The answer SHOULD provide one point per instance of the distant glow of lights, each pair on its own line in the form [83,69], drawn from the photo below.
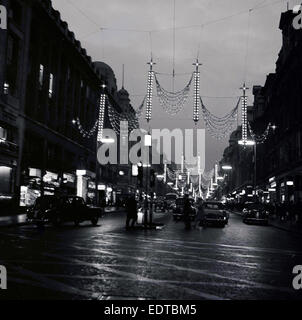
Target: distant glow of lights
[196,92]
[121,173]
[101,117]
[290,183]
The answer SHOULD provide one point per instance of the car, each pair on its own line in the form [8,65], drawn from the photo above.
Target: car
[57,210]
[214,214]
[170,200]
[160,206]
[178,210]
[255,213]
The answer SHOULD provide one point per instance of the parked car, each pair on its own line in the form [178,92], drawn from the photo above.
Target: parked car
[214,214]
[178,210]
[55,210]
[160,205]
[255,213]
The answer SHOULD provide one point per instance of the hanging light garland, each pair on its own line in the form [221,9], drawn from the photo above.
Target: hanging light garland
[115,119]
[219,127]
[260,138]
[83,132]
[172,102]
[139,111]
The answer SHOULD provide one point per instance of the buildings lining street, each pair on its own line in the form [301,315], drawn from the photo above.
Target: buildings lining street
[72,120]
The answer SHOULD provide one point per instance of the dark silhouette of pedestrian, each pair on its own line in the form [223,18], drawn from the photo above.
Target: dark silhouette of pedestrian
[187,211]
[200,213]
[131,208]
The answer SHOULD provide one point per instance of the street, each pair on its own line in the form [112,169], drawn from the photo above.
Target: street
[108,263]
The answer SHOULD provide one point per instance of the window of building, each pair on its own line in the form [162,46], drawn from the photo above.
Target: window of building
[41,75]
[5,178]
[3,134]
[6,88]
[51,85]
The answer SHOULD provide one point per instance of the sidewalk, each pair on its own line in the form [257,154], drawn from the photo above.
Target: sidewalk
[282,225]
[286,225]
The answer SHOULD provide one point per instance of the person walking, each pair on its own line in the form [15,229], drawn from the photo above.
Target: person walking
[200,213]
[187,211]
[131,208]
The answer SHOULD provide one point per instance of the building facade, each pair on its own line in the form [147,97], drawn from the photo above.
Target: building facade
[49,99]
[275,166]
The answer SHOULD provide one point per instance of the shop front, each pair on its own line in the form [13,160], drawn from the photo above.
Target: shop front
[86,185]
[34,185]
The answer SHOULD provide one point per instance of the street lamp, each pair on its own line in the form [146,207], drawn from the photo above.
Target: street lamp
[246,143]
[148,143]
[227,167]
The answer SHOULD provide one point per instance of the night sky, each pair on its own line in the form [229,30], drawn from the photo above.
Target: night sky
[231,49]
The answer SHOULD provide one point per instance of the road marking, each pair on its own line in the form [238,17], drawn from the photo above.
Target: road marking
[141,278]
[197,271]
[269,250]
[254,266]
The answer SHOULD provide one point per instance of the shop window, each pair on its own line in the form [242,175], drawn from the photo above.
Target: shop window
[3,134]
[41,75]
[51,86]
[6,88]
[5,178]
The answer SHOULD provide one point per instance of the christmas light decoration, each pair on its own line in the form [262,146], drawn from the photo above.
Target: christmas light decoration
[244,141]
[219,127]
[150,91]
[196,92]
[260,138]
[172,102]
[83,132]
[101,117]
[139,111]
[116,118]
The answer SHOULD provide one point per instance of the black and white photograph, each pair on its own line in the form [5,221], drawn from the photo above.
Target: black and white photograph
[150,151]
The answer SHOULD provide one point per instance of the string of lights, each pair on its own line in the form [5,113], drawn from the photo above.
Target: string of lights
[101,117]
[115,119]
[219,127]
[172,102]
[83,132]
[260,138]
[139,111]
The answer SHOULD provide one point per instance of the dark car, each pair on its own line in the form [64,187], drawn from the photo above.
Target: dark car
[160,205]
[215,214]
[51,209]
[170,201]
[255,213]
[178,210]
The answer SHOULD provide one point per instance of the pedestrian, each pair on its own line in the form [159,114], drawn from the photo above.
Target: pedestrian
[200,213]
[187,211]
[131,209]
